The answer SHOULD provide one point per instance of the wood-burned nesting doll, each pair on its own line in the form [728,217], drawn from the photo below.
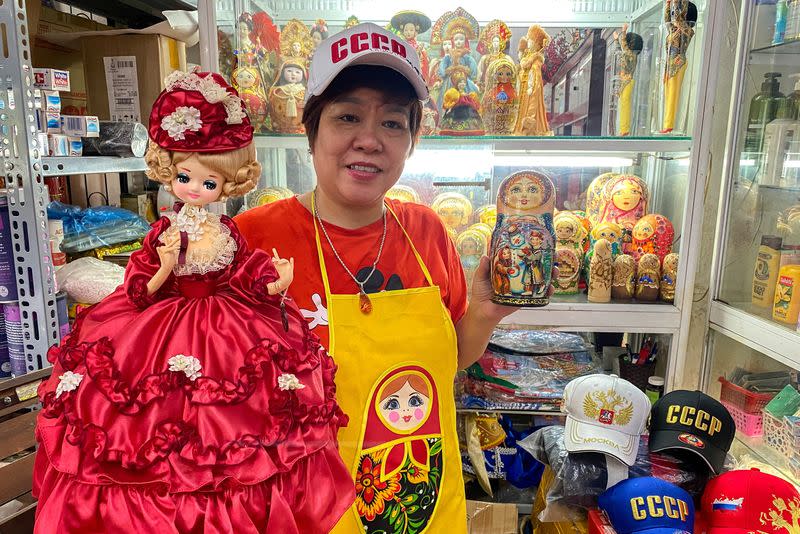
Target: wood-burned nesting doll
[454,209]
[600,272]
[523,241]
[625,199]
[611,232]
[471,245]
[669,277]
[652,234]
[569,251]
[594,197]
[623,282]
[648,276]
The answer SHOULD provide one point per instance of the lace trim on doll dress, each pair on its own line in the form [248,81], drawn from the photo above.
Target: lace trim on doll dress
[216,257]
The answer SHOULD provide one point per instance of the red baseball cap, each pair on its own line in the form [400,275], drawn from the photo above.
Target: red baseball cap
[741,502]
[363,44]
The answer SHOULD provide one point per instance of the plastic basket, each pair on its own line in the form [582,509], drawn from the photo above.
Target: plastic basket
[636,374]
[750,424]
[748,401]
[779,435]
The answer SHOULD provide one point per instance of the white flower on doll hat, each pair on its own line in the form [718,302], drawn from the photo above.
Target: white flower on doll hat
[189,365]
[69,381]
[182,119]
[288,381]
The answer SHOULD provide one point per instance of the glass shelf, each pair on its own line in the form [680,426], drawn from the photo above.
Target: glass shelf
[758,450]
[790,47]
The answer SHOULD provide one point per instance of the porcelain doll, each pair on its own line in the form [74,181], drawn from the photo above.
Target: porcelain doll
[409,24]
[569,251]
[652,234]
[500,104]
[600,272]
[623,282]
[630,45]
[669,277]
[680,17]
[297,45]
[532,116]
[319,32]
[459,29]
[523,241]
[196,383]
[454,209]
[256,57]
[286,98]
[594,197]
[648,276]
[461,109]
[406,193]
[471,246]
[625,200]
[492,45]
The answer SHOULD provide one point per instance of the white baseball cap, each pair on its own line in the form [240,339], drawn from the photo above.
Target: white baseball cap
[363,44]
[605,414]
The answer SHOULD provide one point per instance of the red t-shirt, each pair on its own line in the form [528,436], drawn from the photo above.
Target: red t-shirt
[288,226]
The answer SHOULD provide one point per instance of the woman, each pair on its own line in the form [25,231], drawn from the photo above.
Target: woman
[380,281]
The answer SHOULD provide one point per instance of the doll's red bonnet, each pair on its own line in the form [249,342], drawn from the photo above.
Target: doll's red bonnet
[199,112]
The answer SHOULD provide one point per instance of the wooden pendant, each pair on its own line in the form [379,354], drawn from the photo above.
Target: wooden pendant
[364,304]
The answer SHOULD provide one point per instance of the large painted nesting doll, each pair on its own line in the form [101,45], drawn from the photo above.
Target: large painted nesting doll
[400,464]
[523,241]
[625,201]
[594,197]
[569,251]
[454,209]
[652,234]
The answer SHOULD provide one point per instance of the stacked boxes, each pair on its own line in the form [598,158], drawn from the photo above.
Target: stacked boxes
[63,133]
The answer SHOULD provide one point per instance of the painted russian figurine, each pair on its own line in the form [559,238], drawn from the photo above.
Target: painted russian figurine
[256,53]
[461,109]
[319,32]
[611,232]
[286,97]
[523,241]
[630,45]
[652,234]
[532,116]
[569,252]
[600,273]
[410,24]
[680,18]
[454,209]
[500,103]
[648,276]
[625,200]
[492,45]
[458,28]
[669,277]
[623,282]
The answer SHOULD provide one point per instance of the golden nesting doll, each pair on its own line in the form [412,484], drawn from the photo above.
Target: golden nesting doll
[594,197]
[471,245]
[406,193]
[600,272]
[454,209]
[648,276]
[623,283]
[669,277]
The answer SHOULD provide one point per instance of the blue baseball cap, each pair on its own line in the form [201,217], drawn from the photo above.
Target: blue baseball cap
[648,505]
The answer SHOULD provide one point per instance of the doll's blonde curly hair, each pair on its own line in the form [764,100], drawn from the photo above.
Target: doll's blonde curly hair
[239,167]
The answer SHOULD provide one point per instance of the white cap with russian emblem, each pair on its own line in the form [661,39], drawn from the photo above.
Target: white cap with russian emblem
[363,44]
[605,414]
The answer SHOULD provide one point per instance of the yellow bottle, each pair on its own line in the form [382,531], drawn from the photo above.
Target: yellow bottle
[787,295]
[765,274]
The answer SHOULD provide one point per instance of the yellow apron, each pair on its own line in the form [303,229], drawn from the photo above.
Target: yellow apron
[395,381]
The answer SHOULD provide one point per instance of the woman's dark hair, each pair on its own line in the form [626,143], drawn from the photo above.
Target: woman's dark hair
[388,81]
[691,14]
[634,42]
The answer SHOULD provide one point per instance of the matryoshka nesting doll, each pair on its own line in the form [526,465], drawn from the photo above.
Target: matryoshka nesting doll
[594,197]
[500,104]
[600,273]
[648,276]
[623,280]
[454,209]
[669,277]
[652,234]
[487,214]
[569,251]
[523,241]
[625,201]
[400,457]
[406,193]
[471,245]
[611,232]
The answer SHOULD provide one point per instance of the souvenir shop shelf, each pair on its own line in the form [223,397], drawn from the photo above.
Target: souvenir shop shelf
[59,166]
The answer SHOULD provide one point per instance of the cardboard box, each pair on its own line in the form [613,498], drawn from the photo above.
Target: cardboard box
[75,146]
[80,125]
[148,57]
[492,518]
[59,145]
[51,79]
[48,121]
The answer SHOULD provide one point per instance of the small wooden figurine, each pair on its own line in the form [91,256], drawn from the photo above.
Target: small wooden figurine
[523,241]
[647,277]
[652,234]
[499,104]
[600,272]
[623,283]
[569,251]
[669,277]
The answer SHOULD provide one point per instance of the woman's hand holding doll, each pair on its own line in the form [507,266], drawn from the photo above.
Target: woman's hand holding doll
[285,270]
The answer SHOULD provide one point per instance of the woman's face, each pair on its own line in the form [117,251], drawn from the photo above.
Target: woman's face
[196,184]
[362,144]
[293,74]
[451,215]
[626,196]
[459,40]
[565,231]
[536,241]
[525,194]
[504,75]
[405,409]
[495,44]
[409,30]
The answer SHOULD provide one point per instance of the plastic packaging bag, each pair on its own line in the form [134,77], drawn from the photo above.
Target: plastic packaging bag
[89,280]
[102,226]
